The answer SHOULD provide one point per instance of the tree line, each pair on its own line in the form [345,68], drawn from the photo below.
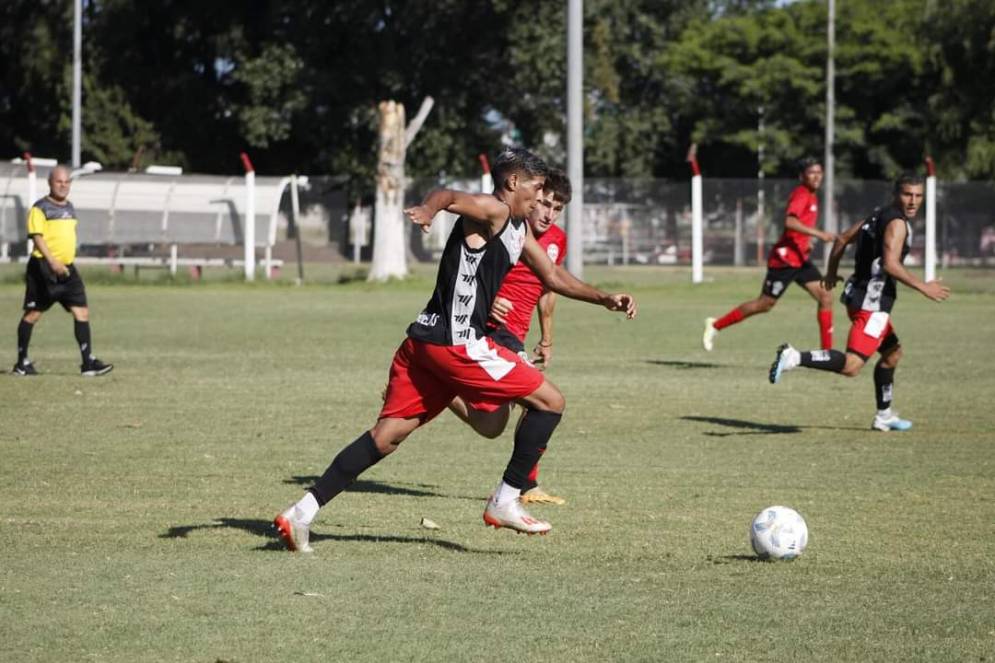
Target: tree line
[296,83]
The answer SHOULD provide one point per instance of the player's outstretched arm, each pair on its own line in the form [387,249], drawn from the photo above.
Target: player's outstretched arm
[484,208]
[832,277]
[792,222]
[560,281]
[894,239]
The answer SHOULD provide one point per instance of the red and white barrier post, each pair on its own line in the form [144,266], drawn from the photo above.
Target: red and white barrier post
[486,181]
[696,217]
[249,224]
[929,260]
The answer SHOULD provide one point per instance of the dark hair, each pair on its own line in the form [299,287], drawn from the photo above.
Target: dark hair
[807,162]
[907,178]
[558,182]
[517,160]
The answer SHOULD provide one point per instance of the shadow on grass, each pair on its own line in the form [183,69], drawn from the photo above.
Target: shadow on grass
[683,364]
[758,428]
[378,487]
[729,559]
[264,528]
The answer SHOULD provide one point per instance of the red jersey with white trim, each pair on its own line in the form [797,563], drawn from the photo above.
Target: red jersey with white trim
[793,248]
[523,288]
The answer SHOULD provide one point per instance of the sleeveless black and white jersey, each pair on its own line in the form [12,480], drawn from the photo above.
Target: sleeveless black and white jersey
[467,283]
[871,288]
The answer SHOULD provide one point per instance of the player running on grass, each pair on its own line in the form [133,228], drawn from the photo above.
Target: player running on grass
[788,261]
[520,293]
[448,353]
[883,240]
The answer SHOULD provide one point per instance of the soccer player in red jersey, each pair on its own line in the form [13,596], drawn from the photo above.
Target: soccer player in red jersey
[788,261]
[520,293]
[883,240]
[447,352]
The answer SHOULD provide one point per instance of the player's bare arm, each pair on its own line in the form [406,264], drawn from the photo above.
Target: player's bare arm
[57,265]
[485,209]
[561,281]
[832,277]
[792,222]
[894,239]
[543,350]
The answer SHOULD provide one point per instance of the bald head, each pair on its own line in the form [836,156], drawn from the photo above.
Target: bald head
[58,184]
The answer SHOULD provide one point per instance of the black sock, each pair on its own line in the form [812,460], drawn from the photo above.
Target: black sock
[24,330]
[825,360]
[82,330]
[531,437]
[884,381]
[359,456]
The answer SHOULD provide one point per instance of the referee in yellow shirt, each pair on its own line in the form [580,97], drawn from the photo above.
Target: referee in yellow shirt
[51,276]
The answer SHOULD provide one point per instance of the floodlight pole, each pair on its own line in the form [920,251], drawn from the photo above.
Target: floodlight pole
[77,81]
[829,217]
[929,260]
[575,136]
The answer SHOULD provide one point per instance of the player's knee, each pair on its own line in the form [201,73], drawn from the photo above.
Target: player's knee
[891,359]
[852,366]
[765,304]
[554,401]
[31,317]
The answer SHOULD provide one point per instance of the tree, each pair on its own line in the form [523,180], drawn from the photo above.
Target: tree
[389,247]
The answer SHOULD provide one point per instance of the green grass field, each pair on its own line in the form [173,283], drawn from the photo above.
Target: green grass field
[135,509]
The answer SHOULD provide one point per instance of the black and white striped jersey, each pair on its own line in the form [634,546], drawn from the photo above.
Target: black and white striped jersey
[467,283]
[871,288]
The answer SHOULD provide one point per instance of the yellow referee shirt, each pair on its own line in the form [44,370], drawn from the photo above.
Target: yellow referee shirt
[57,226]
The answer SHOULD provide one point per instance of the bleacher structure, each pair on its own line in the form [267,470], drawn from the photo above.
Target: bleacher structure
[145,220]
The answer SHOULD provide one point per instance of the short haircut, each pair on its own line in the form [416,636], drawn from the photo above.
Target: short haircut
[57,168]
[517,160]
[907,178]
[807,162]
[558,182]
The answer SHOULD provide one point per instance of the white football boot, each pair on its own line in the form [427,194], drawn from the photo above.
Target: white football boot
[890,422]
[512,515]
[293,530]
[785,359]
[708,338]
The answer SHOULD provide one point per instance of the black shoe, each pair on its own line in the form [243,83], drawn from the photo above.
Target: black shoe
[24,368]
[95,367]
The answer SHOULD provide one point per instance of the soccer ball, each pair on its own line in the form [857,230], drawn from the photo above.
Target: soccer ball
[778,532]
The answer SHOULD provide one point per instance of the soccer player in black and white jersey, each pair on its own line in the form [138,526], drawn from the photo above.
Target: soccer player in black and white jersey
[447,352]
[883,240]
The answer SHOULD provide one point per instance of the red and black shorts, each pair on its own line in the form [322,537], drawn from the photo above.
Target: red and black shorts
[778,279]
[43,288]
[870,332]
[424,378]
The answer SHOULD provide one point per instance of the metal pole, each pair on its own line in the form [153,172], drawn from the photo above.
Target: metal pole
[760,185]
[829,214]
[77,80]
[295,212]
[575,136]
[929,260]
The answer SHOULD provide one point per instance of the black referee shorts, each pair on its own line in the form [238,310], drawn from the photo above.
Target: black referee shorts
[42,288]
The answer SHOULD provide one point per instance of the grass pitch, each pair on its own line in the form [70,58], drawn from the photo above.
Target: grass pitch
[135,508]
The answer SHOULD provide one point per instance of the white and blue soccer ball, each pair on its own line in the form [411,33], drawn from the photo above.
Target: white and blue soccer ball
[778,532]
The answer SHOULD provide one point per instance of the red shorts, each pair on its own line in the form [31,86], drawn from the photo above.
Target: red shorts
[871,331]
[424,378]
